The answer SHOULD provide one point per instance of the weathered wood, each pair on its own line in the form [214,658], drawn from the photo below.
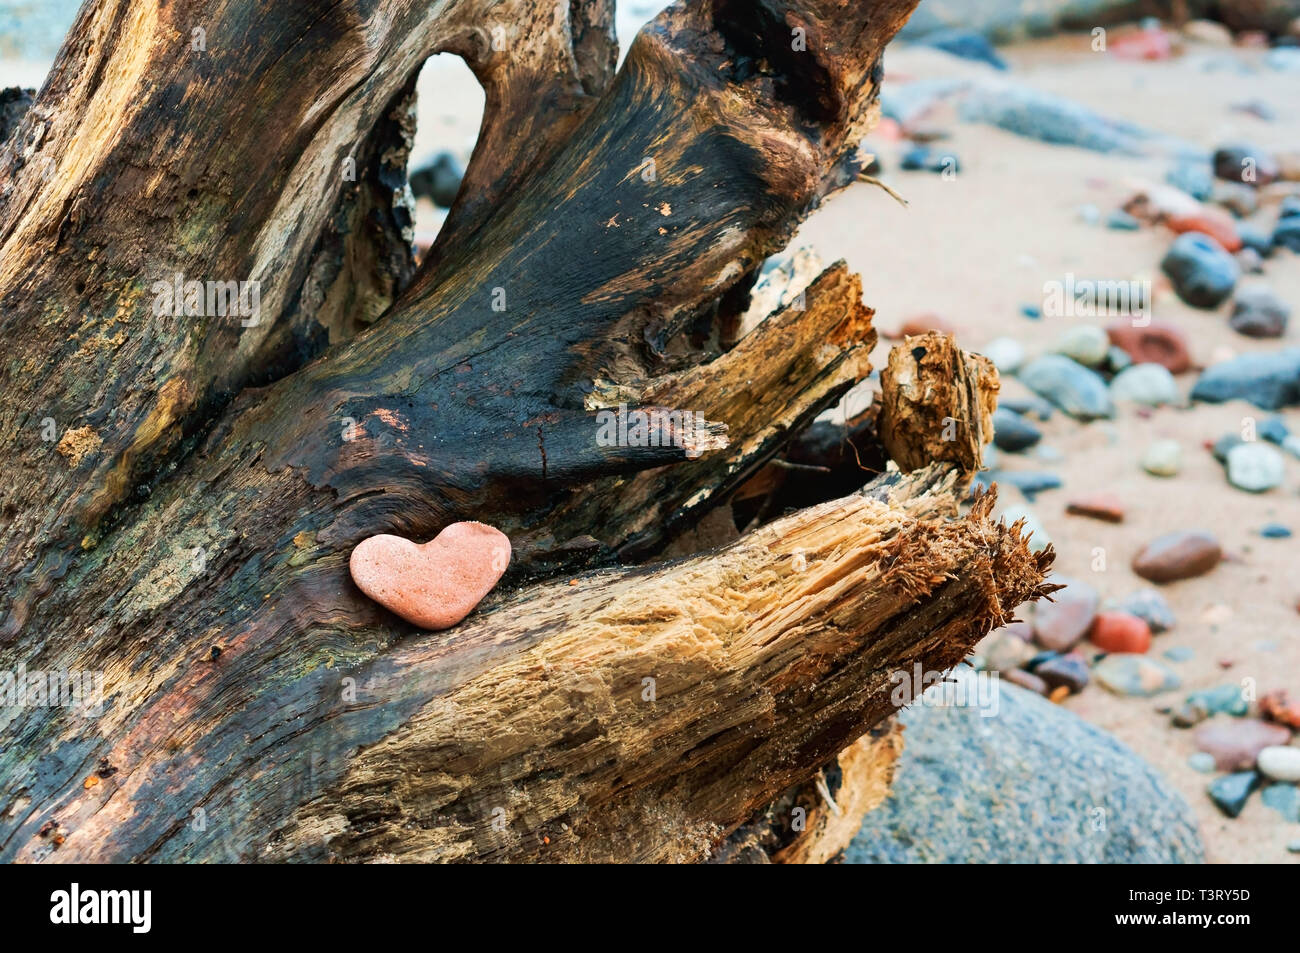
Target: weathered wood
[186,531]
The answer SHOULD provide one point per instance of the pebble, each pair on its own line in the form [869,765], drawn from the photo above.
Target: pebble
[1069,671]
[1085,343]
[1179,653]
[1032,526]
[1122,221]
[1135,675]
[1028,482]
[1188,715]
[1210,221]
[1089,214]
[1259,313]
[1202,762]
[438,179]
[1059,625]
[1157,343]
[1285,799]
[1269,380]
[1287,234]
[1003,651]
[1194,178]
[1203,273]
[1223,446]
[923,159]
[1277,706]
[1230,792]
[1120,632]
[1209,32]
[1250,261]
[1294,846]
[1028,406]
[1220,700]
[1244,162]
[923,324]
[1007,354]
[1179,555]
[1148,384]
[1275,531]
[1255,467]
[1029,680]
[1117,359]
[1274,430]
[967,44]
[1237,742]
[1099,506]
[1240,200]
[1163,458]
[1281,763]
[1080,392]
[1031,311]
[1255,239]
[1013,433]
[436,584]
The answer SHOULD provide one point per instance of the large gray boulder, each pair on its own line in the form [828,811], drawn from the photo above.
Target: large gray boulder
[1021,781]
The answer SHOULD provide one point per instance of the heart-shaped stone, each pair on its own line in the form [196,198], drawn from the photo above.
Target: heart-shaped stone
[436,584]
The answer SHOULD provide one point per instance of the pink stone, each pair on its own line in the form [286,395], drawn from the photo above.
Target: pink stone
[436,584]
[1237,742]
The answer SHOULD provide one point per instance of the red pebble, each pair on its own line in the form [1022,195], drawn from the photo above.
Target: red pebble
[1120,632]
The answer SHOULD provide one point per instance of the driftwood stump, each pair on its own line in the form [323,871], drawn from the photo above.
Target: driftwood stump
[186,477]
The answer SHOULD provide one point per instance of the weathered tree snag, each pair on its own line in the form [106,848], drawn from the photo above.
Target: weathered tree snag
[187,533]
[938,403]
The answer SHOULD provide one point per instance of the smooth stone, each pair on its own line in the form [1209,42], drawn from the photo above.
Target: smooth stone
[1007,354]
[1294,846]
[1259,313]
[1245,162]
[1241,200]
[1003,651]
[1287,234]
[1203,273]
[438,179]
[1062,623]
[1224,445]
[1117,359]
[1028,482]
[1179,653]
[1019,788]
[1202,762]
[1251,262]
[966,44]
[1210,221]
[1013,433]
[1032,526]
[436,584]
[1163,458]
[1031,406]
[1148,384]
[1194,178]
[1089,214]
[1069,670]
[1189,715]
[1135,675]
[1031,311]
[1277,706]
[1275,531]
[1230,792]
[1274,430]
[1280,762]
[1180,555]
[1120,632]
[1080,392]
[1122,221]
[1027,680]
[1285,799]
[1099,506]
[1237,742]
[1255,239]
[1157,343]
[1255,467]
[1220,700]
[1085,343]
[1292,445]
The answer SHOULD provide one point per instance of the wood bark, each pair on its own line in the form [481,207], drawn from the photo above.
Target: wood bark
[184,490]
